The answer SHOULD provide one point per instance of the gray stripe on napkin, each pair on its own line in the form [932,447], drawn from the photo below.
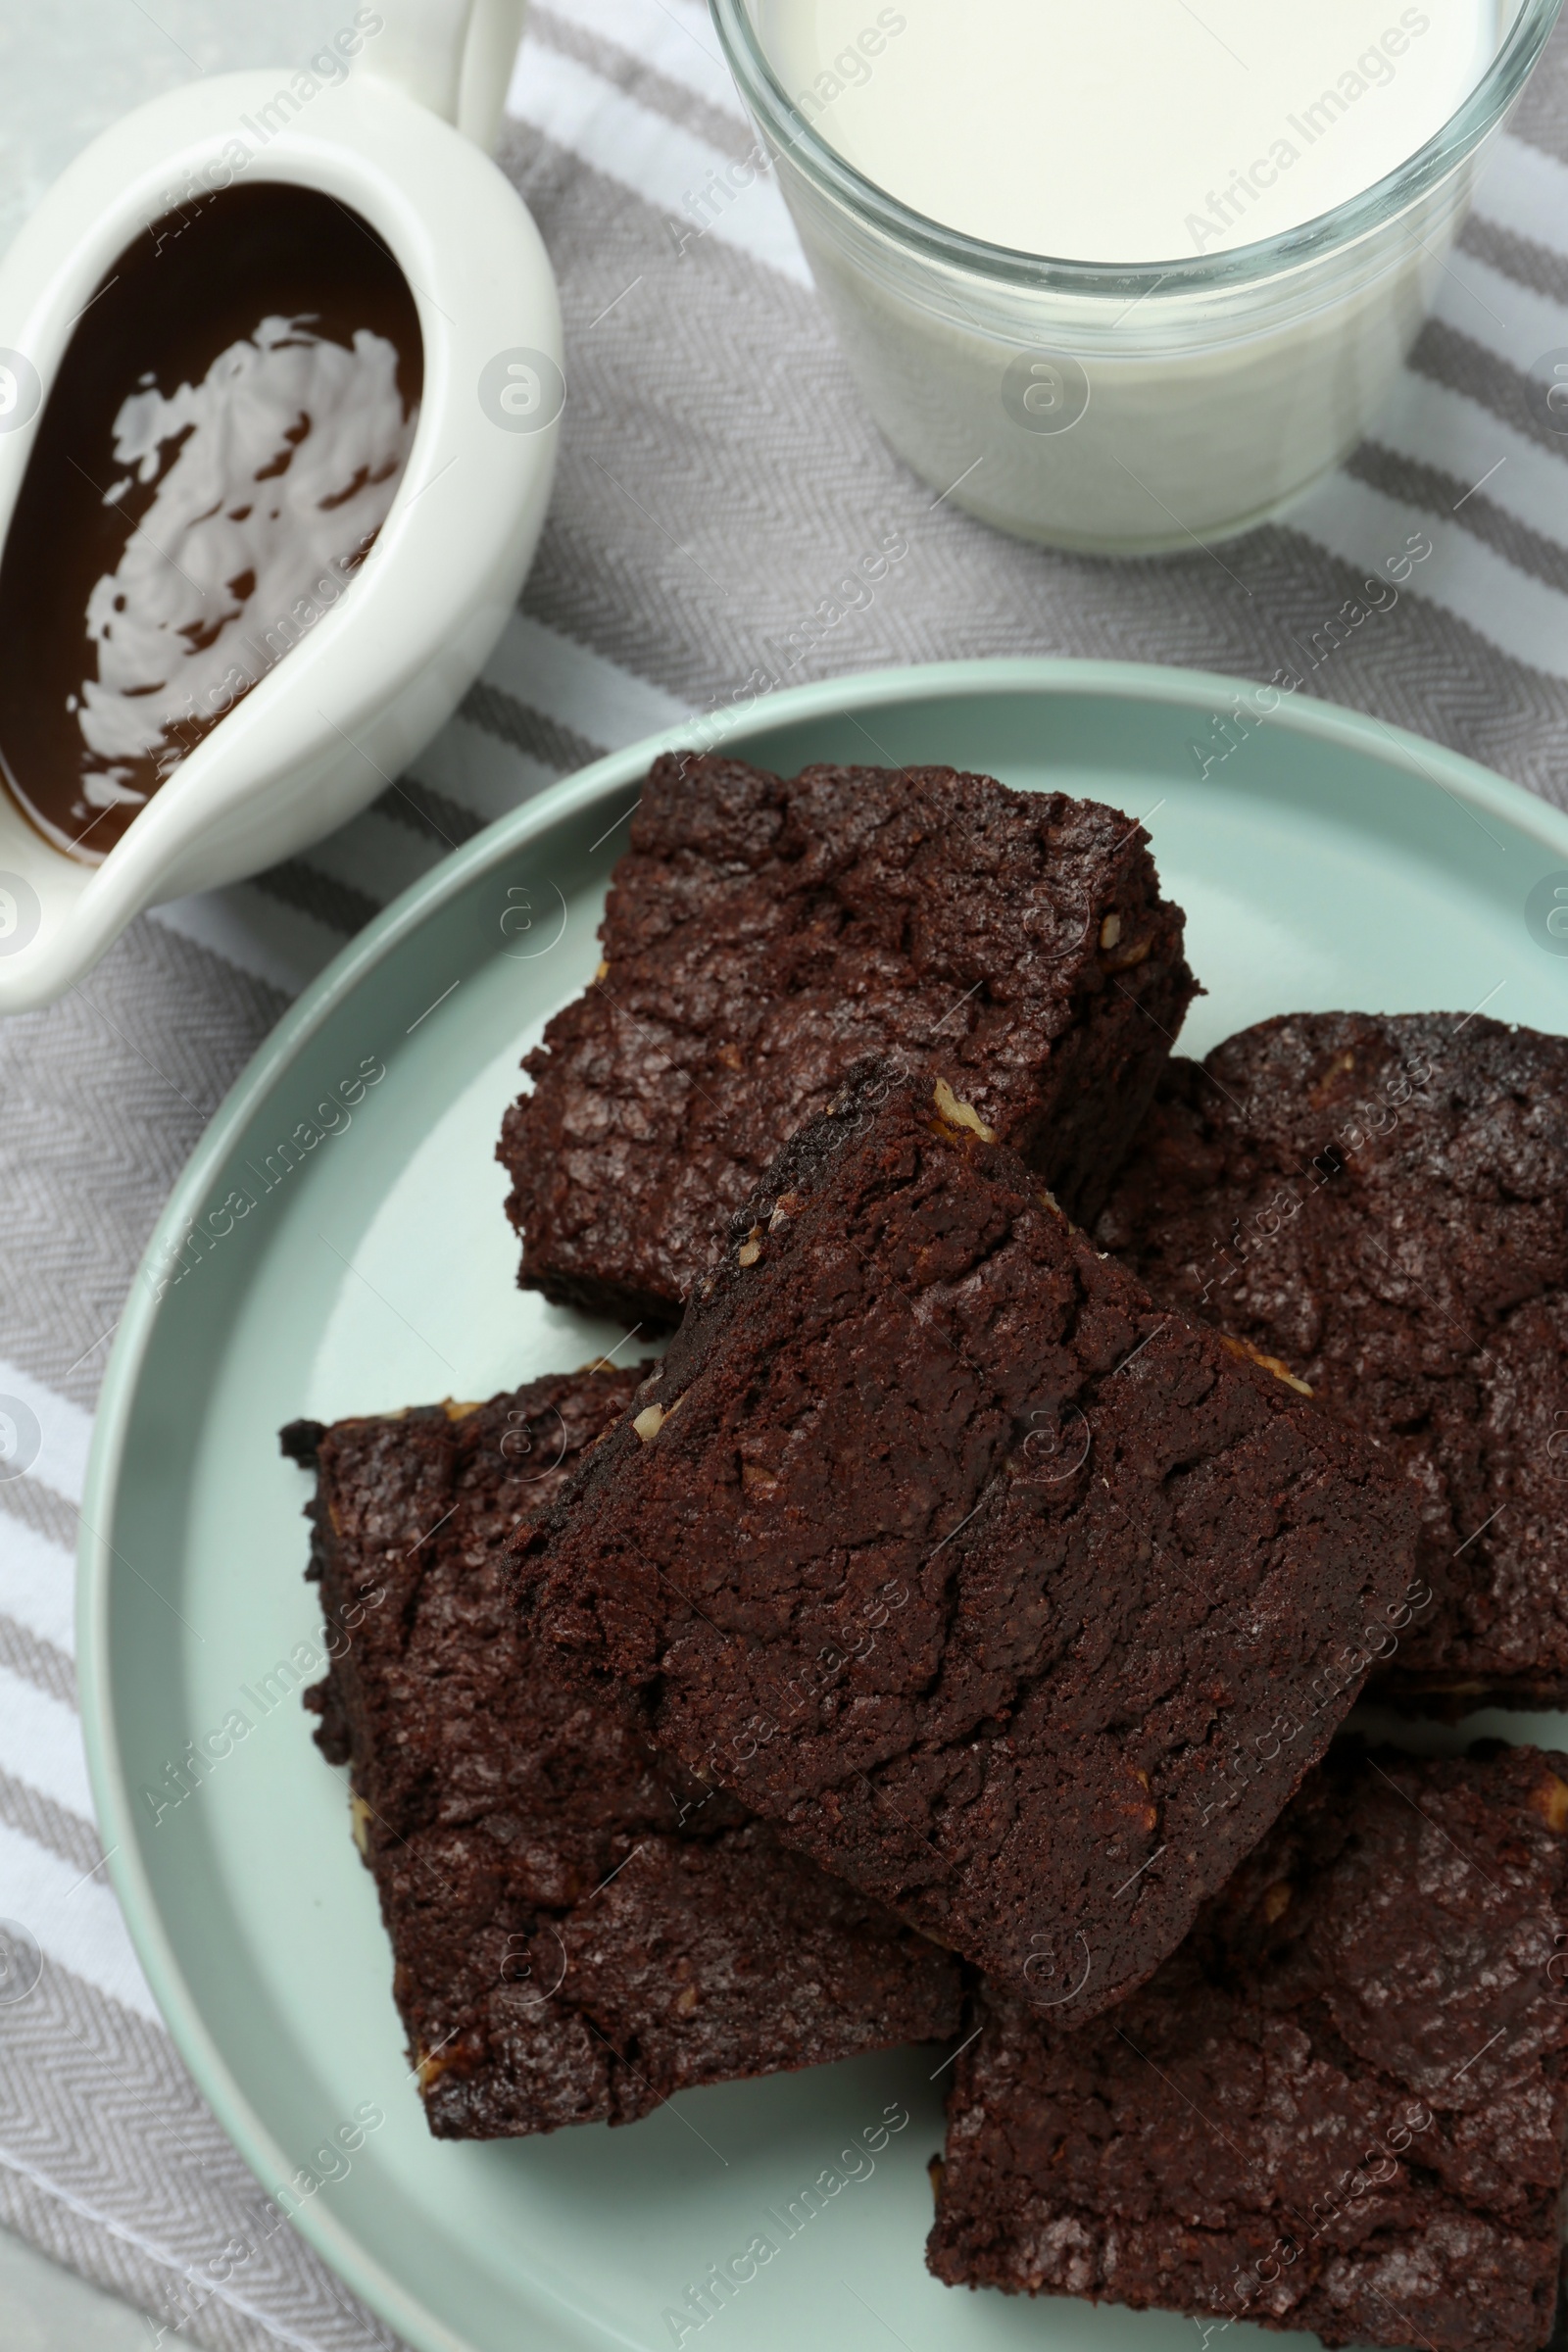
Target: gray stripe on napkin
[741,397]
[105,1094]
[1452,358]
[435,816]
[625,72]
[1541,115]
[37,1506]
[299,884]
[1441,493]
[47,1823]
[1519,257]
[527,730]
[37,1661]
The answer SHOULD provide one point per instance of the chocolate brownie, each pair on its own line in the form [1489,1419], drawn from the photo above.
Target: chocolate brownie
[1339,2106]
[1019,1605]
[579,1929]
[1382,1201]
[764,934]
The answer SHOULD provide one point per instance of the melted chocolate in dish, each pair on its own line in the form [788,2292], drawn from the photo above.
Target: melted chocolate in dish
[222,444]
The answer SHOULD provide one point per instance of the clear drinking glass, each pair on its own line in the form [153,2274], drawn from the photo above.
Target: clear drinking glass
[1128,410]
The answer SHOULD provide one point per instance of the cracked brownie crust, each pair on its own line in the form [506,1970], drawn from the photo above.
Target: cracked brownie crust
[1022,1605]
[764,934]
[1339,2106]
[1382,1202]
[578,1928]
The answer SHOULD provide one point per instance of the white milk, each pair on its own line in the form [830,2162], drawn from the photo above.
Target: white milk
[1127,130]
[1147,384]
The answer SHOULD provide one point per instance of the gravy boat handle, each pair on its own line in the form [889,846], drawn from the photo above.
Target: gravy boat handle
[453,56]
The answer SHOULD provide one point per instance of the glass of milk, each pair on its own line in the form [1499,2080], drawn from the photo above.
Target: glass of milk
[1123,277]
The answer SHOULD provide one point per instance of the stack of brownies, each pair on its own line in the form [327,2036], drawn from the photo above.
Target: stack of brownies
[946,1638]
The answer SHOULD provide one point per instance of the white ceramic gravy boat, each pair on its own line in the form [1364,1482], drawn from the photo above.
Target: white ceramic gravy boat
[400,135]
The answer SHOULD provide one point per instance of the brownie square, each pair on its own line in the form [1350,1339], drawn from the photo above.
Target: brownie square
[1019,1603]
[1339,2106]
[579,1929]
[1382,1201]
[764,934]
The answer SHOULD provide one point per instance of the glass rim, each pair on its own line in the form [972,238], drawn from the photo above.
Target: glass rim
[1371,209]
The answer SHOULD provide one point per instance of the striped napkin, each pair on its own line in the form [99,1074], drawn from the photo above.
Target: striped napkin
[719,478]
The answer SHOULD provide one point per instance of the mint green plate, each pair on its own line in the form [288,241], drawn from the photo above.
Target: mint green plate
[1327,860]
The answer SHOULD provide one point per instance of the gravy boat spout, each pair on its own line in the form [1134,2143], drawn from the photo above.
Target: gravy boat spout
[373,664]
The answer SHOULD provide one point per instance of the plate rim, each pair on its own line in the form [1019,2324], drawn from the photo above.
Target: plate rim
[1462,779]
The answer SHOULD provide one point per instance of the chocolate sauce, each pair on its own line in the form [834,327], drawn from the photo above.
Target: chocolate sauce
[220,448]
